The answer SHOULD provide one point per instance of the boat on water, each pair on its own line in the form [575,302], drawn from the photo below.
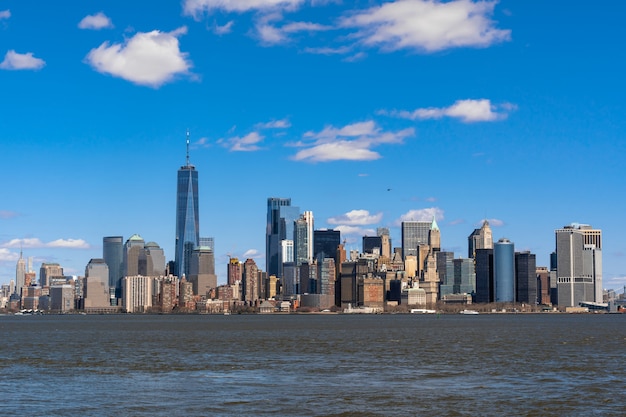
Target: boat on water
[422,311]
[468,312]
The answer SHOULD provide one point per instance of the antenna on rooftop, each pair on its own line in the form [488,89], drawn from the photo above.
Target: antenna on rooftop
[187,147]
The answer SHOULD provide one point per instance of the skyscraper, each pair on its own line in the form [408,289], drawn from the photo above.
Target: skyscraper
[578,264]
[484,276]
[414,234]
[325,243]
[480,239]
[20,274]
[525,278]
[133,250]
[281,217]
[504,271]
[112,253]
[187,216]
[303,238]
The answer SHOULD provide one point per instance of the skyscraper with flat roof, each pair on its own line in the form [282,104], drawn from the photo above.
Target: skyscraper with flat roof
[414,233]
[504,271]
[187,216]
[578,264]
[281,217]
[112,253]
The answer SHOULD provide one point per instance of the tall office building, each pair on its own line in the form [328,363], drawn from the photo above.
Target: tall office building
[281,217]
[504,271]
[371,244]
[113,255]
[483,259]
[479,239]
[303,238]
[383,233]
[152,260]
[49,271]
[133,250]
[96,284]
[460,277]
[187,216]
[414,233]
[20,274]
[525,278]
[578,264]
[325,243]
[202,270]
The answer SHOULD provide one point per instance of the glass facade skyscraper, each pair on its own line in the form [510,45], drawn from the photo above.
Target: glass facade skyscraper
[187,216]
[504,271]
[281,217]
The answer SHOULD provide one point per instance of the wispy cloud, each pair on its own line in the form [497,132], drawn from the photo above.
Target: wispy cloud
[274,124]
[224,29]
[96,22]
[8,256]
[468,111]
[423,215]
[6,214]
[347,230]
[16,61]
[427,25]
[247,143]
[38,243]
[5,14]
[148,58]
[251,253]
[356,218]
[492,222]
[197,8]
[354,142]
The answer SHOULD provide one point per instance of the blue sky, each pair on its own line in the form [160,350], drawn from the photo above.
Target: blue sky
[364,112]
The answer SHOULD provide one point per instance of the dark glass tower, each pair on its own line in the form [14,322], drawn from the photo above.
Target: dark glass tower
[112,252]
[281,217]
[187,218]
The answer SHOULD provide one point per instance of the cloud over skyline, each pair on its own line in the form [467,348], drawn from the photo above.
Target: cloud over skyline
[148,58]
[353,142]
[421,215]
[356,218]
[35,243]
[468,111]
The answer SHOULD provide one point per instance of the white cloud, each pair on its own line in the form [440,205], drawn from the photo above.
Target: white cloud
[356,218]
[224,29]
[274,124]
[5,14]
[304,27]
[201,143]
[8,256]
[427,25]
[251,253]
[16,61]
[347,230]
[421,215]
[150,58]
[492,222]
[33,243]
[352,142]
[247,143]
[197,7]
[96,21]
[467,111]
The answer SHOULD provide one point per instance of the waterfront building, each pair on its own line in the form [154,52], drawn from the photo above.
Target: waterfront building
[504,271]
[481,238]
[525,278]
[281,217]
[187,216]
[233,271]
[137,293]
[578,264]
[62,298]
[543,285]
[414,233]
[371,291]
[96,285]
[483,259]
[325,243]
[250,281]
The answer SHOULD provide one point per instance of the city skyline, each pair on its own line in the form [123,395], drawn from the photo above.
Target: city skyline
[364,121]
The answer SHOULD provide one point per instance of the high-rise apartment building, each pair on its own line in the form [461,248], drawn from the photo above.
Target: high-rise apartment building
[187,216]
[250,281]
[578,264]
[234,271]
[504,271]
[479,239]
[281,217]
[414,233]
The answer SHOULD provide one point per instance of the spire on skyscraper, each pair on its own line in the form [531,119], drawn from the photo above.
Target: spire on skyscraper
[187,147]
